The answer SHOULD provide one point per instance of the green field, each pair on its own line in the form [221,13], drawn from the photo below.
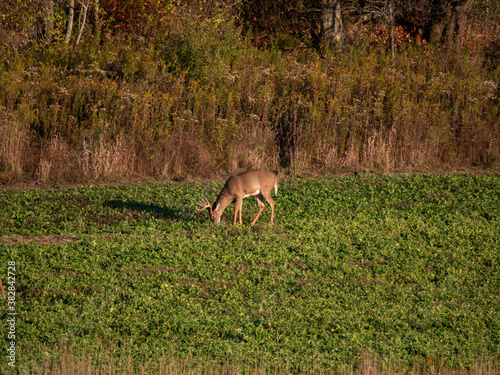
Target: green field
[404,270]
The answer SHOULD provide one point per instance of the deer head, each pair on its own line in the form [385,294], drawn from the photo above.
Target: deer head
[215,213]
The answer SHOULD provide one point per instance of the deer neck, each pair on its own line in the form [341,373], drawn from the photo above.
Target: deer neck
[223,201]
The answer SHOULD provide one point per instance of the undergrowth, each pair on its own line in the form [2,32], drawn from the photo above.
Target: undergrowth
[198,99]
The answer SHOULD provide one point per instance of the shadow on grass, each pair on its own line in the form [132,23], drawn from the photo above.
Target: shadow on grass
[172,213]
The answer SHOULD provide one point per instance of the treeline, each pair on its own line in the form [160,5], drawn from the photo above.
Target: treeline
[100,90]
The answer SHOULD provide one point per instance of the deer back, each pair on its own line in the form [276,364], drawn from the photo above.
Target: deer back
[251,183]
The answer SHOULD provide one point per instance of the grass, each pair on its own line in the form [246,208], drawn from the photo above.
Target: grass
[395,272]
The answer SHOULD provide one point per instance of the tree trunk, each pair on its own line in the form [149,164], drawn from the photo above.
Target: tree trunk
[71,16]
[49,21]
[450,30]
[457,24]
[83,19]
[97,18]
[462,18]
[437,32]
[391,11]
[332,29]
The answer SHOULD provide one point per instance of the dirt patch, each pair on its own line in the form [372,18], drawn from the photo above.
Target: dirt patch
[49,239]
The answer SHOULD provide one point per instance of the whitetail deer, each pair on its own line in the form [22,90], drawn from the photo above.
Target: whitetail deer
[257,183]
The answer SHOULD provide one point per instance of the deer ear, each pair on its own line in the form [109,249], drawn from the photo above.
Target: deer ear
[217,207]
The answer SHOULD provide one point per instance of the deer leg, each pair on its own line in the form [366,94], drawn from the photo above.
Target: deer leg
[237,208]
[270,200]
[261,208]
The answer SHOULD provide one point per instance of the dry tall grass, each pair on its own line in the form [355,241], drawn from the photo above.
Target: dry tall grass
[69,364]
[14,140]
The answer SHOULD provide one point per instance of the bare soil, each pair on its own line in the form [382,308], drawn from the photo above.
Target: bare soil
[49,239]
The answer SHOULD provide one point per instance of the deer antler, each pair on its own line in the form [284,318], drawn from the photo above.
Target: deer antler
[204,204]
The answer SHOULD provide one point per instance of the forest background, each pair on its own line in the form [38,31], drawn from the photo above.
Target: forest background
[113,90]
